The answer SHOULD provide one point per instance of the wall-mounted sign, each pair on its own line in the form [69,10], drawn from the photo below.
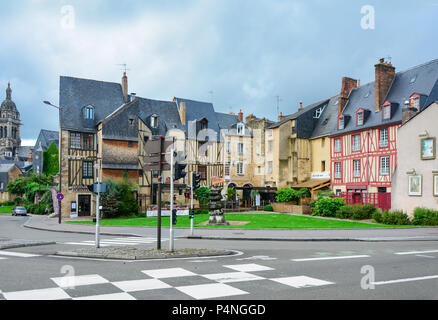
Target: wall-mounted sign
[321,175]
[428,149]
[416,185]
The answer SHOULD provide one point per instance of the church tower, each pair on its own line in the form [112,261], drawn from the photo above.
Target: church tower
[9,126]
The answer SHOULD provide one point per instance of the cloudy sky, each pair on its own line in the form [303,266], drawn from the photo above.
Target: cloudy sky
[240,54]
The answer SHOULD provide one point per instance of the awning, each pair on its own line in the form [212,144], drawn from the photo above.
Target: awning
[313,184]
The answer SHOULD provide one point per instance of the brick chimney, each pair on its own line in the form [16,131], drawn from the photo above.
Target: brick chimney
[125,87]
[385,74]
[240,116]
[348,84]
[408,112]
[280,117]
[301,106]
[182,112]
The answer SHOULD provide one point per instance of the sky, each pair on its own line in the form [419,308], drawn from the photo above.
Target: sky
[238,54]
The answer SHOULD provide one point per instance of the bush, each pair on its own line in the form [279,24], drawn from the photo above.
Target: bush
[18,201]
[288,195]
[31,208]
[395,218]
[269,208]
[378,216]
[425,217]
[345,212]
[202,211]
[328,207]
[8,203]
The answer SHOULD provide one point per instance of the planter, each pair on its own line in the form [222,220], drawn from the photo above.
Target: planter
[291,207]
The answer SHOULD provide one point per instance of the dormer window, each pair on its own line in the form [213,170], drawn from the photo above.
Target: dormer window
[204,124]
[89,113]
[387,111]
[415,101]
[341,123]
[154,121]
[240,129]
[360,118]
[131,121]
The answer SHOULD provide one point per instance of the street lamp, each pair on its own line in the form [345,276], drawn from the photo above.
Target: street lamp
[60,155]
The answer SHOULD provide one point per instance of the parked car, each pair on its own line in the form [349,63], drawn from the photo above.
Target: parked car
[19,211]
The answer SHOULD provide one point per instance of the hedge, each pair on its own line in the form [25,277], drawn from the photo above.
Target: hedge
[425,217]
[356,212]
[328,207]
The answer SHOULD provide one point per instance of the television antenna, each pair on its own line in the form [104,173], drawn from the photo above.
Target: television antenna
[125,67]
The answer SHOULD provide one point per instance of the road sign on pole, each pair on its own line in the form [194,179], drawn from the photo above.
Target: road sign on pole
[60,197]
[172,174]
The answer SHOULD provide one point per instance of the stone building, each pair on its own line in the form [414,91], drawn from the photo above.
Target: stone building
[10,124]
[8,172]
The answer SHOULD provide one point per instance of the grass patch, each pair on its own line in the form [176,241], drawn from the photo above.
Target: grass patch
[256,221]
[6,209]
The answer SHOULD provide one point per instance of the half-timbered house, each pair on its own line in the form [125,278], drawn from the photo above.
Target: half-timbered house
[364,142]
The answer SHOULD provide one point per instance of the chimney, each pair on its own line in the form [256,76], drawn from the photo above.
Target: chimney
[280,117]
[385,74]
[182,112]
[125,88]
[408,112]
[250,118]
[240,116]
[348,84]
[301,106]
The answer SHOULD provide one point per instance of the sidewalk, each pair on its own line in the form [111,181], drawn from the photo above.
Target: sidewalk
[395,234]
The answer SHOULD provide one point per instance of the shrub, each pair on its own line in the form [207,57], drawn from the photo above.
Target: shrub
[288,195]
[269,208]
[425,217]
[18,201]
[378,216]
[345,212]
[356,212]
[328,207]
[202,211]
[231,194]
[31,208]
[8,203]
[202,195]
[395,218]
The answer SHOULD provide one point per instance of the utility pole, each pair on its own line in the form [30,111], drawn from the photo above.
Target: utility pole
[98,215]
[192,212]
[172,173]
[160,175]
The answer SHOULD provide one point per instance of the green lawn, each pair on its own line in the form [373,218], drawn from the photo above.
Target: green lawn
[256,221]
[6,209]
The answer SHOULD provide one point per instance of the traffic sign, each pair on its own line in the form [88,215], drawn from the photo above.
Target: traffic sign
[60,196]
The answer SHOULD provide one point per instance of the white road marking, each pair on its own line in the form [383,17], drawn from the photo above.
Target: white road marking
[169,273]
[233,277]
[405,280]
[77,281]
[18,254]
[416,252]
[263,258]
[3,258]
[141,285]
[83,244]
[424,256]
[43,294]
[248,267]
[106,297]
[302,282]
[330,258]
[210,291]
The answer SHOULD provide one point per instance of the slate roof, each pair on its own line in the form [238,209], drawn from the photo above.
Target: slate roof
[46,137]
[4,174]
[75,94]
[420,79]
[310,108]
[328,120]
[225,120]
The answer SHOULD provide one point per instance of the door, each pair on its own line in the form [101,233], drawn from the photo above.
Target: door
[357,198]
[84,206]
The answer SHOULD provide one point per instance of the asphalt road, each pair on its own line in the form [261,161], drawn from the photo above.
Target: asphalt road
[260,270]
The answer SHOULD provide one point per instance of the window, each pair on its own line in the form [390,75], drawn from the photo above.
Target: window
[387,112]
[89,113]
[270,146]
[241,148]
[384,166]
[240,129]
[356,142]
[87,170]
[356,168]
[131,121]
[240,169]
[228,147]
[75,140]
[202,170]
[384,138]
[360,118]
[270,167]
[227,169]
[338,172]
[341,124]
[204,125]
[154,121]
[88,141]
[416,103]
[322,166]
[338,145]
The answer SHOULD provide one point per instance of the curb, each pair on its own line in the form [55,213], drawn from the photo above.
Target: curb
[36,244]
[311,239]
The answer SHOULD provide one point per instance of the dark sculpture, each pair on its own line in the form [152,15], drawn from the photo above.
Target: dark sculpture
[216,207]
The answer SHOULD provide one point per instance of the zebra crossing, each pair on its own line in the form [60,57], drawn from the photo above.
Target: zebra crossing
[118,242]
[192,283]
[5,255]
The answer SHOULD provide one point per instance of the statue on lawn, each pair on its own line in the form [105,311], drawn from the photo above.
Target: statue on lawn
[216,205]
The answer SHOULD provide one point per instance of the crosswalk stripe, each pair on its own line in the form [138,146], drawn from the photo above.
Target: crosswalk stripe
[18,254]
[82,244]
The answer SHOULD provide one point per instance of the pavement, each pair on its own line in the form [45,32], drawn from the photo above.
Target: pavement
[377,234]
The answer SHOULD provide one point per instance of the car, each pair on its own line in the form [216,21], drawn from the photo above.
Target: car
[19,211]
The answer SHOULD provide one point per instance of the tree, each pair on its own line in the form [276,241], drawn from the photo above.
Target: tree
[51,160]
[231,194]
[202,194]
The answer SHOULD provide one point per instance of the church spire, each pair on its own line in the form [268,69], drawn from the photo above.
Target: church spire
[9,92]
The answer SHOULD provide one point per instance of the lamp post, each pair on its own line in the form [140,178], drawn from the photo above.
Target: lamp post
[60,155]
